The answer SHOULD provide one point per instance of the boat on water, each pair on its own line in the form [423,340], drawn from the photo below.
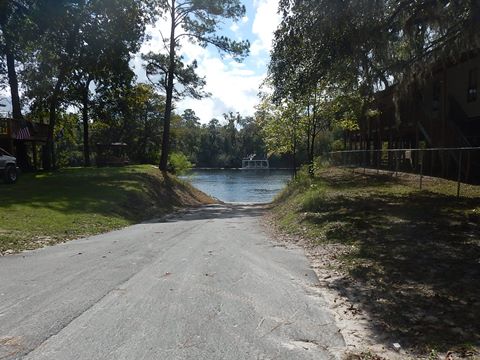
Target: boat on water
[250,164]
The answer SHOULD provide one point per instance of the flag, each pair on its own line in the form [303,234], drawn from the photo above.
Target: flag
[23,133]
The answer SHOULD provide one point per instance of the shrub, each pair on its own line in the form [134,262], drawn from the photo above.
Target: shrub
[338,145]
[179,163]
[314,199]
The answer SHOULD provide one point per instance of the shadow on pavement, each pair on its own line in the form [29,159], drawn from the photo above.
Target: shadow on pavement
[217,211]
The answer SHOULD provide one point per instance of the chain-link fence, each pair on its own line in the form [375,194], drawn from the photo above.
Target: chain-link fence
[459,164]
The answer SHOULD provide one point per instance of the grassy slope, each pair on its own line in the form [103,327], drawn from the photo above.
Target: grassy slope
[411,257]
[76,202]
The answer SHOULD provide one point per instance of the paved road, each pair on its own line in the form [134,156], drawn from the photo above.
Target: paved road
[207,284]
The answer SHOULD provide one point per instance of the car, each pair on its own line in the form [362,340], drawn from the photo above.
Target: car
[8,167]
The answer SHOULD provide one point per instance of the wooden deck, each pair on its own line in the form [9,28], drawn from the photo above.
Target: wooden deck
[10,129]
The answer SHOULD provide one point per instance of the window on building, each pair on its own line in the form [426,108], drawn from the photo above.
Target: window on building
[472,90]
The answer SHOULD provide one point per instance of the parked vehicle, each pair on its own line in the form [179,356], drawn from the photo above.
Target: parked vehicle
[8,167]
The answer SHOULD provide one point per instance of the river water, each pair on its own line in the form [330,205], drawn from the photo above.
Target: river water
[240,186]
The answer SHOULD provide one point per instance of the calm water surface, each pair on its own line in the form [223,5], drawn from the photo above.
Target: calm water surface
[243,186]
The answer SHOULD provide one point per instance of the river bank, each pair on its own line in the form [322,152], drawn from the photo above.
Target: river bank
[398,266]
[47,208]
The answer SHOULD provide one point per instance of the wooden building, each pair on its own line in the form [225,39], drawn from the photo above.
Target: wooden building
[440,111]
[21,138]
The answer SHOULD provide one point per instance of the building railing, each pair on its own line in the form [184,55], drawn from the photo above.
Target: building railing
[10,129]
[461,164]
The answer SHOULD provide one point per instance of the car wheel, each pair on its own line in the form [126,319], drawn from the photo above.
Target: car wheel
[11,174]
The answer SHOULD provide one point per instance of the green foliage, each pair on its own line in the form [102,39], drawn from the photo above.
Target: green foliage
[320,163]
[68,140]
[178,163]
[338,145]
[341,53]
[303,179]
[307,123]
[131,115]
[198,21]
[219,143]
[190,84]
[76,202]
[73,46]
[313,199]
[366,45]
[280,125]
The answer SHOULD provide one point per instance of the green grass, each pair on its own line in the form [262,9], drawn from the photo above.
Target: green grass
[410,257]
[47,208]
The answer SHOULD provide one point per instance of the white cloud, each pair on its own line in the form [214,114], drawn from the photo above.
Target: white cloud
[234,27]
[265,23]
[233,86]
[204,109]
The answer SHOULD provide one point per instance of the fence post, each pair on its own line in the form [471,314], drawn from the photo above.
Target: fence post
[378,161]
[352,162]
[364,156]
[459,172]
[421,167]
[396,163]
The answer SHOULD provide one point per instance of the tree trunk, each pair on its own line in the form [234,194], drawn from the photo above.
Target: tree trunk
[49,159]
[21,150]
[312,148]
[12,79]
[169,93]
[294,159]
[309,137]
[49,153]
[86,137]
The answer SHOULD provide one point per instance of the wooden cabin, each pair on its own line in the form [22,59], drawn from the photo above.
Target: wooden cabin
[114,154]
[21,139]
[441,111]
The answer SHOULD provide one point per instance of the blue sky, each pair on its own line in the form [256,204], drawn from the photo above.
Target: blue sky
[233,86]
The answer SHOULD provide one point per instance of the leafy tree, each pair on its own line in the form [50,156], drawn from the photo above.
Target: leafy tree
[198,21]
[281,126]
[250,137]
[133,115]
[74,49]
[68,135]
[110,29]
[218,143]
[330,57]
[48,68]
[229,134]
[187,133]
[14,16]
[210,144]
[366,45]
